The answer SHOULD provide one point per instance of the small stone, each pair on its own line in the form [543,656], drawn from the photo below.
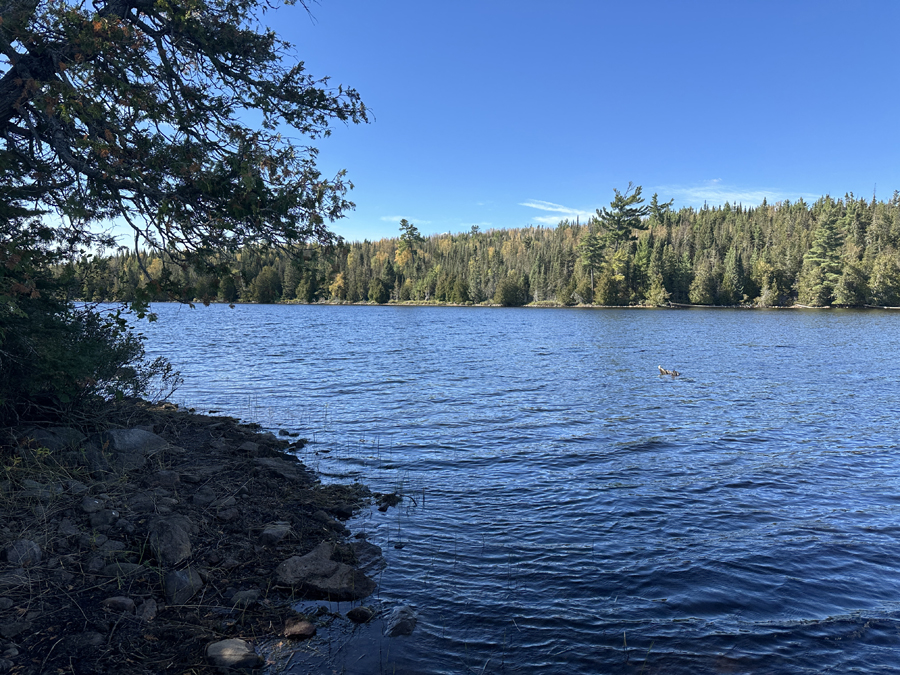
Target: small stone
[6,665]
[204,496]
[10,630]
[274,533]
[10,652]
[298,629]
[401,621]
[361,614]
[76,487]
[225,502]
[181,585]
[91,505]
[228,515]
[249,447]
[167,478]
[92,540]
[5,603]
[148,610]
[233,654]
[170,540]
[23,552]
[104,518]
[120,604]
[67,528]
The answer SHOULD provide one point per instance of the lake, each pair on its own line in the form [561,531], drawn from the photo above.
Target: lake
[569,510]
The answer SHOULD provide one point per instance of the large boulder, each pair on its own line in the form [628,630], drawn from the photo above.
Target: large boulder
[319,576]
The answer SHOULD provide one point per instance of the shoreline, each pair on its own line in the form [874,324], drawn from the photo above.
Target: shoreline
[136,542]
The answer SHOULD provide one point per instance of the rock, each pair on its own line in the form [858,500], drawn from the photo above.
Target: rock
[92,541]
[298,629]
[104,519]
[13,628]
[55,438]
[318,575]
[224,503]
[67,528]
[6,665]
[131,447]
[361,614]
[5,603]
[122,569]
[401,621]
[142,502]
[274,533]
[167,478]
[233,654]
[23,552]
[249,447]
[284,469]
[181,585]
[91,505]
[112,547]
[120,604]
[228,515]
[76,487]
[147,611]
[245,599]
[204,496]
[39,491]
[169,540]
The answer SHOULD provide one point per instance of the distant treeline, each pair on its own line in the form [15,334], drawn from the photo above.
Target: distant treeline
[834,252]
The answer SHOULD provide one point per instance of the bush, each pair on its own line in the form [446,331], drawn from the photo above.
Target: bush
[58,359]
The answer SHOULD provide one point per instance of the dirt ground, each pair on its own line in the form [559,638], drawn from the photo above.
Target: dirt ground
[61,608]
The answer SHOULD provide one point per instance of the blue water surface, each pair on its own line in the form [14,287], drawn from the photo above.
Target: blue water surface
[569,510]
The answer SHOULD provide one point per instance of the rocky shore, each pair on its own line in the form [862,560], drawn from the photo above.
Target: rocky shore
[166,541]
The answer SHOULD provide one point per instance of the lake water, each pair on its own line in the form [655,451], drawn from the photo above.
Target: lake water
[568,509]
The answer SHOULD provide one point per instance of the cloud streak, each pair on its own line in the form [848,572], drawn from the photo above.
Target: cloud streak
[563,212]
[397,219]
[716,193]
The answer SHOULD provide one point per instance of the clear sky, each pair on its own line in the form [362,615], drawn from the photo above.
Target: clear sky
[513,113]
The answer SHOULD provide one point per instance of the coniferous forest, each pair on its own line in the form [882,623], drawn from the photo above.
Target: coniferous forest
[835,252]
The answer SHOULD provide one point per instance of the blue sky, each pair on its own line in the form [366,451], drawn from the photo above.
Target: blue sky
[507,114]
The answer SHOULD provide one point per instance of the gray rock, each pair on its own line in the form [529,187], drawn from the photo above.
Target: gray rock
[181,585]
[92,540]
[55,438]
[317,574]
[39,491]
[104,519]
[76,487]
[249,447]
[299,629]
[10,630]
[91,505]
[293,471]
[5,603]
[167,478]
[120,604]
[369,557]
[228,515]
[67,528]
[224,503]
[6,665]
[231,655]
[148,610]
[361,614]
[401,621]
[274,533]
[127,449]
[169,540]
[23,552]
[142,502]
[204,496]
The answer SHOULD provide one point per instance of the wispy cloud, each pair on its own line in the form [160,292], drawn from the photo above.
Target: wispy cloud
[561,211]
[715,193]
[397,219]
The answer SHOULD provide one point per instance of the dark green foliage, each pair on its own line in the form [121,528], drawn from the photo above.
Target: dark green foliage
[509,293]
[378,292]
[719,256]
